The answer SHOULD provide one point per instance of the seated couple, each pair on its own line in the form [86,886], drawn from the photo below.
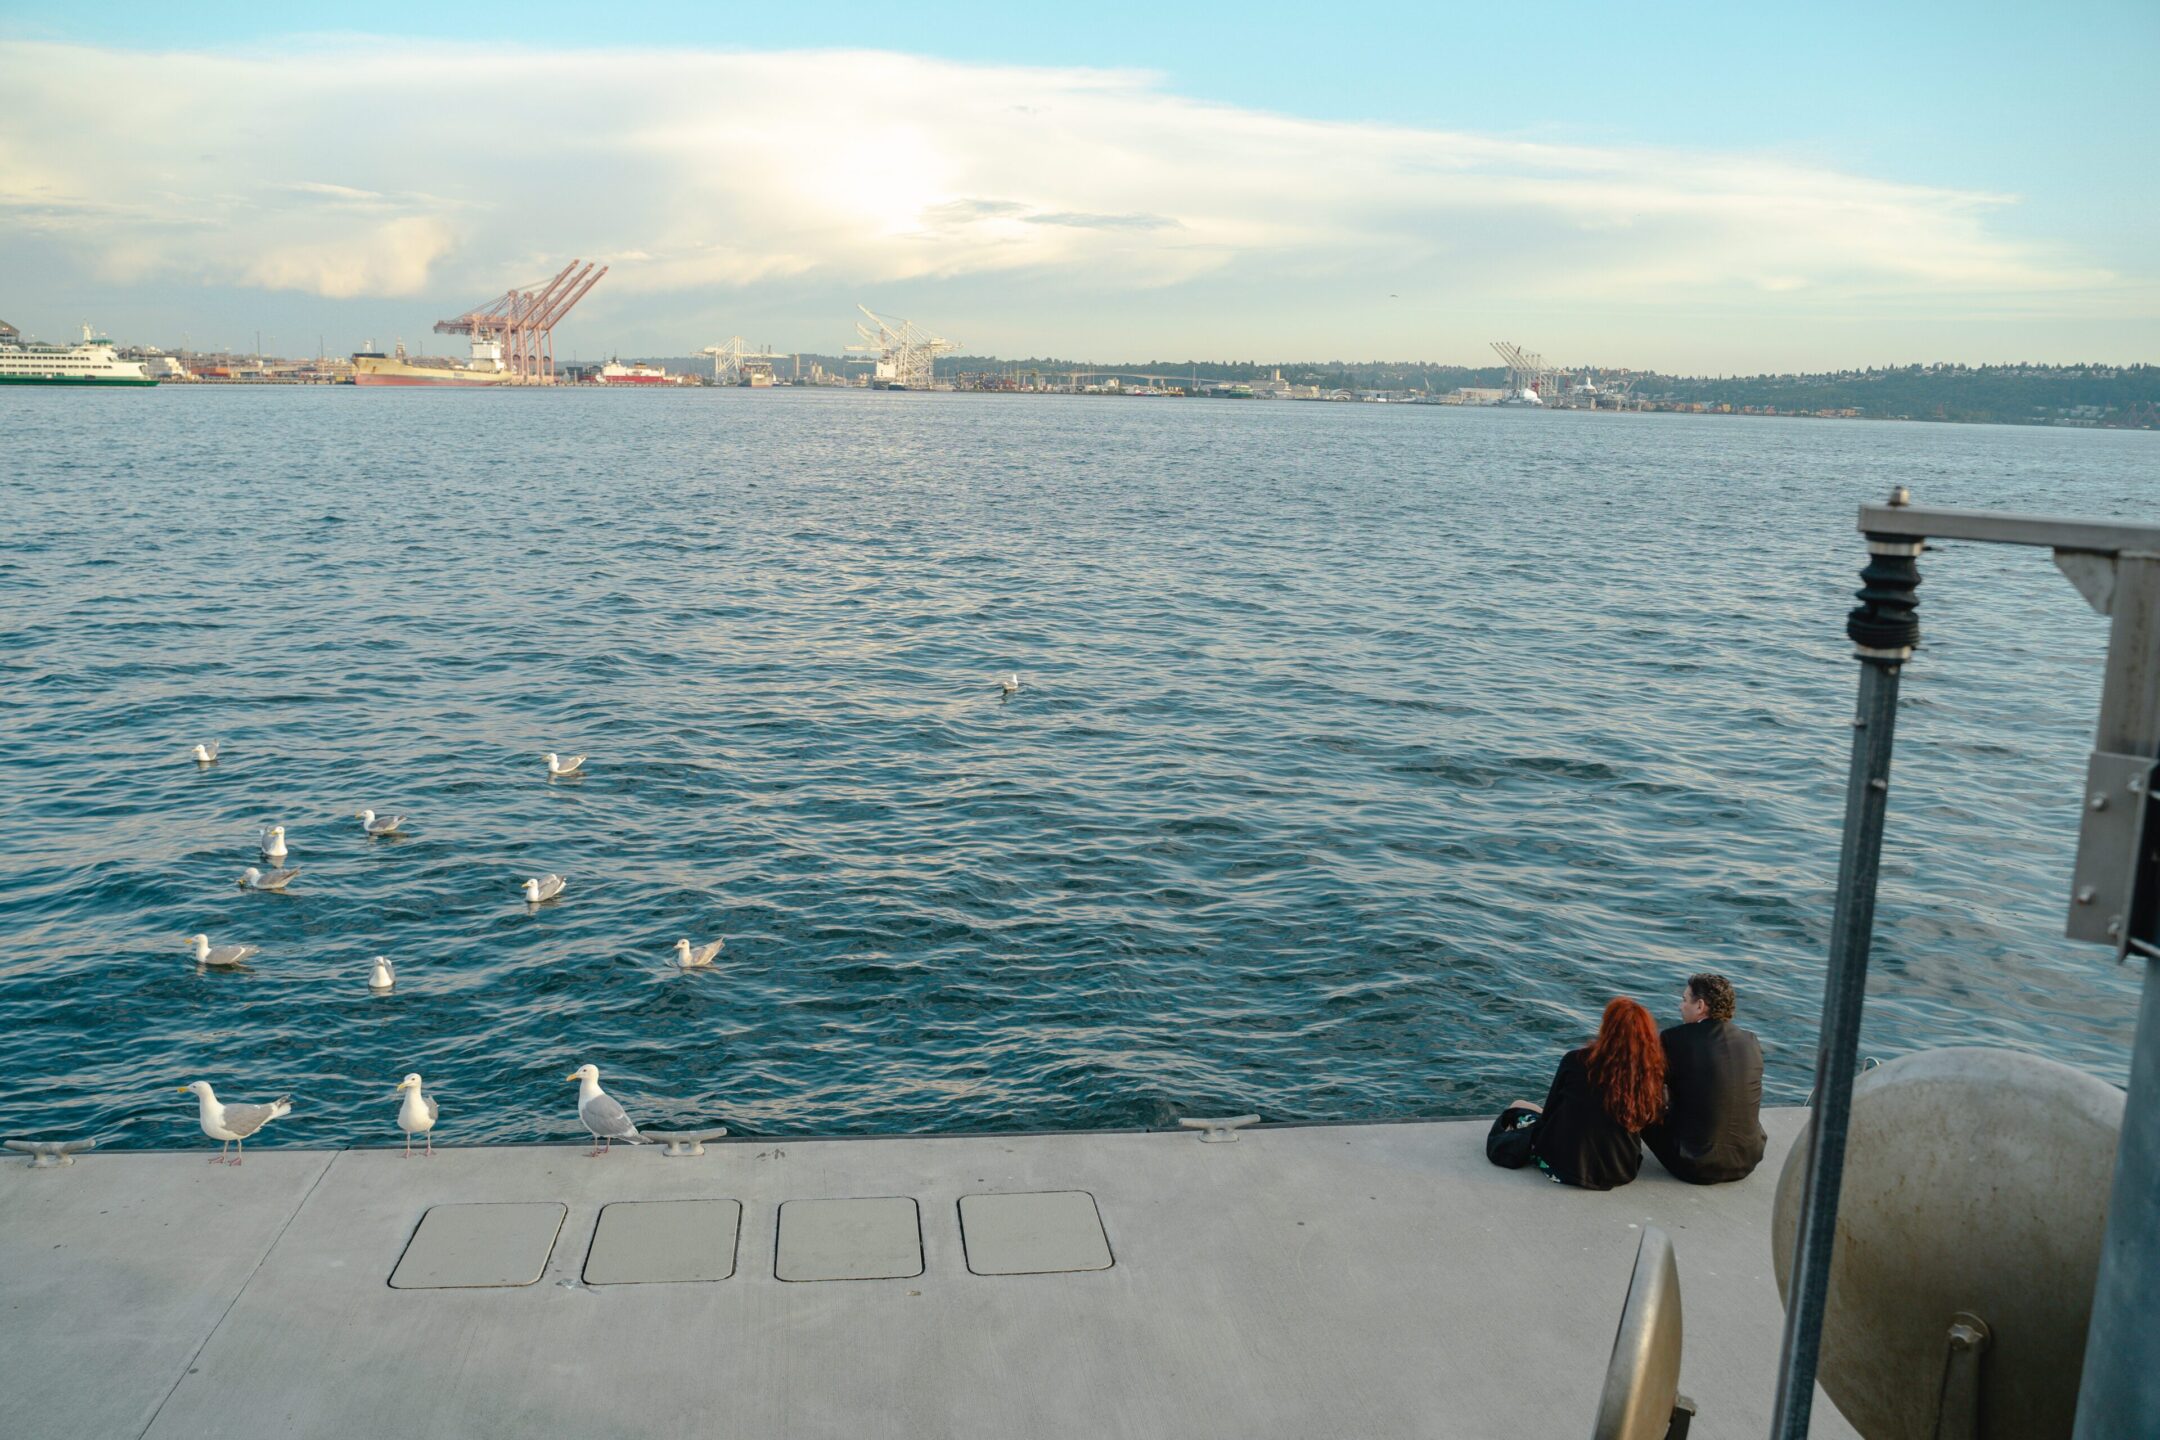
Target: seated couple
[1693,1095]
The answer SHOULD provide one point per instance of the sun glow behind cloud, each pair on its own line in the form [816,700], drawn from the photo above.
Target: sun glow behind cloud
[381,169]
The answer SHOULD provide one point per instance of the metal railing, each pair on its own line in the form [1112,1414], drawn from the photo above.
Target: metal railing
[2114,900]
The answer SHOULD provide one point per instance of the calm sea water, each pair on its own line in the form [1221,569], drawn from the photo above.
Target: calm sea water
[1363,753]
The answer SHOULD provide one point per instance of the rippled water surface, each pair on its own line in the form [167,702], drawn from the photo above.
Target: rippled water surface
[1363,751]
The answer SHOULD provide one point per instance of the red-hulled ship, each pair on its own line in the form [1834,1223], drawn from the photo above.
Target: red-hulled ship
[617,373]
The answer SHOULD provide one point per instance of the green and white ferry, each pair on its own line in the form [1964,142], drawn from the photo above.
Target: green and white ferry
[91,361]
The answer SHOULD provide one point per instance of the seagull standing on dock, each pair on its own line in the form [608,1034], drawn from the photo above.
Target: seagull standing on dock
[378,826]
[232,1124]
[220,957]
[382,979]
[273,844]
[204,754]
[599,1112]
[689,959]
[563,767]
[547,887]
[417,1115]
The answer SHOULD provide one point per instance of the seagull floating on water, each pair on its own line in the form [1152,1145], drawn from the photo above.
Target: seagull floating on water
[1010,685]
[205,754]
[221,957]
[254,879]
[383,977]
[273,843]
[417,1115]
[563,767]
[232,1124]
[602,1116]
[547,887]
[384,825]
[689,959]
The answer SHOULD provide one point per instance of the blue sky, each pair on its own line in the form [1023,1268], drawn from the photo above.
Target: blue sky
[1687,187]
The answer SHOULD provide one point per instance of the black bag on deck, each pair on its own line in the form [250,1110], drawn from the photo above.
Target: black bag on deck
[1508,1143]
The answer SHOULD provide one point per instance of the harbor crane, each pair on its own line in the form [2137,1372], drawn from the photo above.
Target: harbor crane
[735,363]
[727,359]
[522,321]
[1528,374]
[906,354]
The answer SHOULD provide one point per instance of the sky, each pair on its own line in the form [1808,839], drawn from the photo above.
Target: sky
[1693,189]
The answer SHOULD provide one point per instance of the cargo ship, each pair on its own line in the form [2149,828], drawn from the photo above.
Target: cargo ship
[372,367]
[91,361]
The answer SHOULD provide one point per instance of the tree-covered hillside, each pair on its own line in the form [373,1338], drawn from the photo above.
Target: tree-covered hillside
[2109,395]
[1997,394]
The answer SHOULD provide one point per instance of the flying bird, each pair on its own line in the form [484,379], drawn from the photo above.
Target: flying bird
[204,754]
[254,879]
[233,1124]
[689,959]
[382,977]
[220,957]
[563,767]
[547,887]
[417,1114]
[599,1112]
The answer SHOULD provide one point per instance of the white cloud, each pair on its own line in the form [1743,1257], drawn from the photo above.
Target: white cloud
[387,169]
[391,259]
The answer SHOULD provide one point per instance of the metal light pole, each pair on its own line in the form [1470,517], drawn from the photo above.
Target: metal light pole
[1884,629]
[2115,900]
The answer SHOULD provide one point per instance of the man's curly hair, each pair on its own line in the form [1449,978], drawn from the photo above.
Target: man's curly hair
[1715,992]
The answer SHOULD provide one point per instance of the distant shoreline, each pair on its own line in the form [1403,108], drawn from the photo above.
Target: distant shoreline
[2149,420]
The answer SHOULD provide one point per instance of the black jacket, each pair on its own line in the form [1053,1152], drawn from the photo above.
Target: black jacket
[1577,1140]
[1712,1130]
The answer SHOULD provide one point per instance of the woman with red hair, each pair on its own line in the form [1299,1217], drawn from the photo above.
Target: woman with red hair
[1589,1130]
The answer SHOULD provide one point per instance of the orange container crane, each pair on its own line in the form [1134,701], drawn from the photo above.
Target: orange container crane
[522,322]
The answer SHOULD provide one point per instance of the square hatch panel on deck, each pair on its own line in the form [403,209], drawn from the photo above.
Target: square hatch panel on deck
[873,1239]
[468,1247]
[1033,1234]
[646,1242]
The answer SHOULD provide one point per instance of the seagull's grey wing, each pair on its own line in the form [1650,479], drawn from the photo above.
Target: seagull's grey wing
[708,954]
[279,879]
[434,1111]
[231,954]
[603,1116]
[245,1120]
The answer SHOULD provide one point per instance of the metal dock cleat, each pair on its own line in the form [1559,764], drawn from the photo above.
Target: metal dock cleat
[686,1142]
[1219,1132]
[51,1154]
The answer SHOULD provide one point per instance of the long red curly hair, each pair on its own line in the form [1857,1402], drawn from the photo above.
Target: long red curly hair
[1627,1064]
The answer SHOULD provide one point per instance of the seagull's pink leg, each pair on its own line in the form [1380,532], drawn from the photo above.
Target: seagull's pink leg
[431,1145]
[240,1152]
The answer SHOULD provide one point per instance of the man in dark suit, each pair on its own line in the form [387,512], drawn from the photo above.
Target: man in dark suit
[1712,1131]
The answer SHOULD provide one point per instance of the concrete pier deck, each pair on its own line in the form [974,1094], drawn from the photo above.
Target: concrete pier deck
[1350,1281]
